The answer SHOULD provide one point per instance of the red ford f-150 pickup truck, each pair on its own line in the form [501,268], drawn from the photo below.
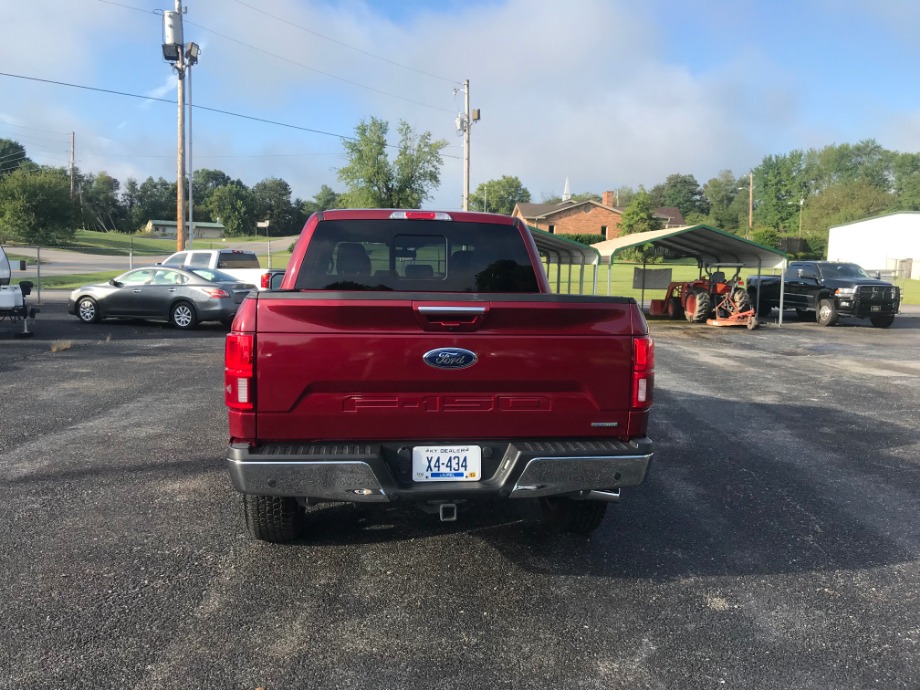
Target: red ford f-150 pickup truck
[418,356]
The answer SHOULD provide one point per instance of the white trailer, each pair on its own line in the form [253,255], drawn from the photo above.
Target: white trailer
[13,305]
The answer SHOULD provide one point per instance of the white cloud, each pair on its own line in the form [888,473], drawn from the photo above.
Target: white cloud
[594,90]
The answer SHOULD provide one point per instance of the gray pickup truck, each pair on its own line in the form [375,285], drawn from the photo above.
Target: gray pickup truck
[827,290]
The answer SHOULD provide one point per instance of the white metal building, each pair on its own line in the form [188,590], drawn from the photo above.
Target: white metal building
[888,243]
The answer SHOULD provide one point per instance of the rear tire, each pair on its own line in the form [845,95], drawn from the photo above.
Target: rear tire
[274,519]
[698,306]
[675,311]
[741,299]
[827,312]
[566,515]
[763,310]
[883,321]
[183,316]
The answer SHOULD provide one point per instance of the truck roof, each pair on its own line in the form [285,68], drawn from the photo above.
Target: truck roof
[385,213]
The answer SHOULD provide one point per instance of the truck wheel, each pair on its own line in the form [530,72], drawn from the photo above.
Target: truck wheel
[566,515]
[273,518]
[182,315]
[883,321]
[698,306]
[764,309]
[675,311]
[827,312]
[88,310]
[741,299]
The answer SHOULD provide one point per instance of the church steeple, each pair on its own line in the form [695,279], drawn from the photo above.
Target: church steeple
[566,192]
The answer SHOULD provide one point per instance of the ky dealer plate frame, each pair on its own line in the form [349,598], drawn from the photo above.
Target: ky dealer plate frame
[447,463]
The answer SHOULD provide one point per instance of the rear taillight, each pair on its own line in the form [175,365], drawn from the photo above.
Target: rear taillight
[266,281]
[215,293]
[239,390]
[643,372]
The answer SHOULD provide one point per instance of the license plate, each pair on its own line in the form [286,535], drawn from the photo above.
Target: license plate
[875,307]
[447,463]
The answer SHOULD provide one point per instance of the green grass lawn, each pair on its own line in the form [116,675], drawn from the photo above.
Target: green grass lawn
[92,242]
[621,275]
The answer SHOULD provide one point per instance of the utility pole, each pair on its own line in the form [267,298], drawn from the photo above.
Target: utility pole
[73,150]
[751,202]
[174,52]
[180,162]
[191,55]
[466,146]
[464,122]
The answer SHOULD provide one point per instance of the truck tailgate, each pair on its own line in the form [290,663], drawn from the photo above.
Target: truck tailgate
[352,367]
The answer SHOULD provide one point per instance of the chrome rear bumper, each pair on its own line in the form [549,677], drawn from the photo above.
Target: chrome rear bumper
[370,472]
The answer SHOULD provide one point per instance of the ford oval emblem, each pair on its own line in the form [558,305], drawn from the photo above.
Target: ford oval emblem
[450,358]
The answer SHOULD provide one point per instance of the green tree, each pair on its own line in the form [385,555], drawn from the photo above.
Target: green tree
[499,196]
[720,193]
[323,200]
[35,206]
[906,171]
[233,205]
[204,182]
[155,200]
[375,182]
[682,192]
[12,156]
[272,197]
[639,217]
[843,203]
[779,183]
[100,203]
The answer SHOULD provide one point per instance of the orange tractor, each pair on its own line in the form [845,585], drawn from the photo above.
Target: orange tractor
[713,299]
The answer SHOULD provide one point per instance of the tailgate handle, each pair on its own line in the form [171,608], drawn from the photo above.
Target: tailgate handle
[452,318]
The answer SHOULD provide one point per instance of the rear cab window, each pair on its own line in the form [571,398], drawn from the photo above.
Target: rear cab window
[416,256]
[237,259]
[199,259]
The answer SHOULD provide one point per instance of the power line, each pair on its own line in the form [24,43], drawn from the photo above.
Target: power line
[345,45]
[300,64]
[36,129]
[318,71]
[196,106]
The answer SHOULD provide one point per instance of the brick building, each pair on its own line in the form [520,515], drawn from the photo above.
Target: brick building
[586,217]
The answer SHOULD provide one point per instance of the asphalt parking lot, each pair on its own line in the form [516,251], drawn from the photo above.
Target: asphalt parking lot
[775,544]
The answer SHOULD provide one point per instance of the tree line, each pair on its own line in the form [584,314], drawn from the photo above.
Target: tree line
[45,205]
[800,194]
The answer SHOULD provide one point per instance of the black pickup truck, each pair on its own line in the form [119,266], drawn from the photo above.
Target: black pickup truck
[829,290]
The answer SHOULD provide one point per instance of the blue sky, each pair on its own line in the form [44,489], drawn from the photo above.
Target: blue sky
[603,92]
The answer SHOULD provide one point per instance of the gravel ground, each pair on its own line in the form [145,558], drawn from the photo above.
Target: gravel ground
[775,544]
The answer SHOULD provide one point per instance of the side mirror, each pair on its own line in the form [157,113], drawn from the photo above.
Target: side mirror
[878,275]
[114,283]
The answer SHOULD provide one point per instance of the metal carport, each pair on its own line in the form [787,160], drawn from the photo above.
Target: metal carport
[556,249]
[706,244]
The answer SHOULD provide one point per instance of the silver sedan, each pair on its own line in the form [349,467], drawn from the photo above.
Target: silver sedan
[183,297]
